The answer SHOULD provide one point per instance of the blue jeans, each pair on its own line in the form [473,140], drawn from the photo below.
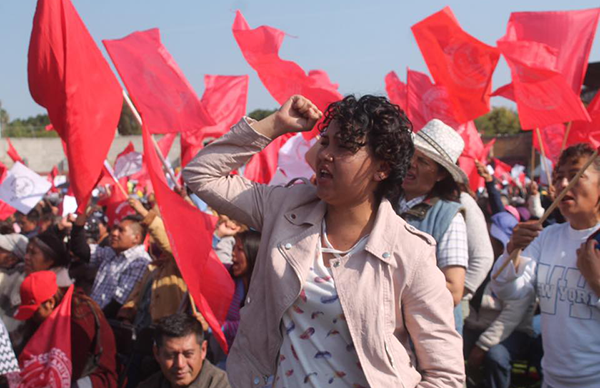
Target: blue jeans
[458,318]
[497,363]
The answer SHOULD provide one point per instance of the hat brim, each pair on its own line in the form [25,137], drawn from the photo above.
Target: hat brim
[497,233]
[456,172]
[25,312]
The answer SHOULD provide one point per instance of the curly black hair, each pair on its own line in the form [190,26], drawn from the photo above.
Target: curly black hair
[382,126]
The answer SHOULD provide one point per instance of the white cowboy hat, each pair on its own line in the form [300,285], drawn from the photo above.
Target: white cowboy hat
[444,145]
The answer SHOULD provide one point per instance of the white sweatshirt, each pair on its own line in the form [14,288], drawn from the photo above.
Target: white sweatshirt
[570,309]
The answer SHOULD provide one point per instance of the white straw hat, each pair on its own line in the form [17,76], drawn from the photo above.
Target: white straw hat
[444,145]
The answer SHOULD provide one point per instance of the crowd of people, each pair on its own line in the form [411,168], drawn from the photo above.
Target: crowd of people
[385,269]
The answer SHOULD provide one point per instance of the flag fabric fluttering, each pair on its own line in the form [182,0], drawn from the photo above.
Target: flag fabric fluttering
[46,359]
[12,152]
[208,280]
[156,83]
[69,77]
[459,62]
[5,209]
[569,36]
[283,79]
[128,162]
[225,97]
[542,93]
[474,150]
[570,33]
[584,132]
[396,90]
[426,101]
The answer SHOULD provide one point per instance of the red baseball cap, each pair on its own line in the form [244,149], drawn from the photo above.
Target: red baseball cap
[37,288]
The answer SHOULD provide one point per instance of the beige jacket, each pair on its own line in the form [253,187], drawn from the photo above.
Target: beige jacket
[168,286]
[391,293]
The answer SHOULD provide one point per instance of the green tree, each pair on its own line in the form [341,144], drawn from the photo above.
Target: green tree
[128,124]
[4,118]
[34,126]
[259,114]
[499,121]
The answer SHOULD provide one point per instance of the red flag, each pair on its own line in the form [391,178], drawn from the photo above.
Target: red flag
[46,359]
[507,91]
[542,94]
[396,90]
[53,174]
[583,132]
[12,152]
[502,170]
[225,98]
[461,63]
[157,85]
[426,101]
[571,33]
[474,150]
[5,209]
[165,143]
[282,78]
[70,78]
[208,281]
[552,137]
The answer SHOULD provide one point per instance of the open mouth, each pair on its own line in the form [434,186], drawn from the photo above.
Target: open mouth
[409,177]
[324,173]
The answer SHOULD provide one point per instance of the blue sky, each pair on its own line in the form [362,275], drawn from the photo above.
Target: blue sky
[356,42]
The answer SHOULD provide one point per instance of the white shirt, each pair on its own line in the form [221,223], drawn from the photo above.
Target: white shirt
[317,349]
[569,308]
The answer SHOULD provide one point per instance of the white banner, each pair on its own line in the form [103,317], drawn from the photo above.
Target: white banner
[128,164]
[22,188]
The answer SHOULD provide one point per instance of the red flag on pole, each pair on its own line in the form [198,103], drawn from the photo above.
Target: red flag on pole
[474,150]
[584,132]
[570,33]
[208,281]
[426,101]
[552,136]
[12,152]
[225,97]
[260,47]
[502,171]
[46,359]
[156,84]
[70,78]
[396,90]
[461,63]
[542,94]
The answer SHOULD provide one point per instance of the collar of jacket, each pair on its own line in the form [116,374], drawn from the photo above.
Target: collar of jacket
[420,210]
[382,239]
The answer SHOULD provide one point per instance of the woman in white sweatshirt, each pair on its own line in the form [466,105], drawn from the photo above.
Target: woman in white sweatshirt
[562,266]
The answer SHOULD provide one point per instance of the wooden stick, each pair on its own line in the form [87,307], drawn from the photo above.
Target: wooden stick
[544,159]
[160,155]
[194,309]
[112,175]
[566,136]
[532,160]
[515,254]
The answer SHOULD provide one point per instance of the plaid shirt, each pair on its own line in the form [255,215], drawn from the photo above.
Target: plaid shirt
[452,249]
[117,273]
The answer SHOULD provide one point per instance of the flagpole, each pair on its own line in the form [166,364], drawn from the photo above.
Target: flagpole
[532,161]
[564,142]
[544,161]
[515,254]
[112,175]
[160,155]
